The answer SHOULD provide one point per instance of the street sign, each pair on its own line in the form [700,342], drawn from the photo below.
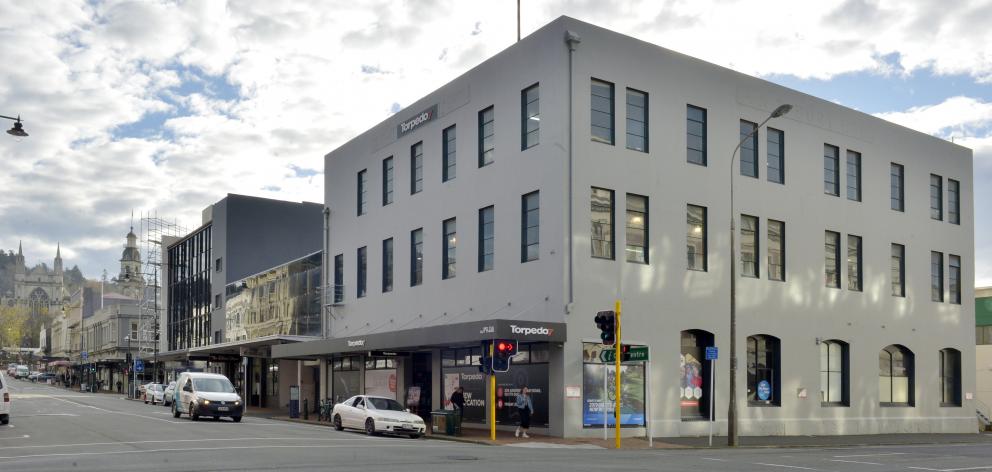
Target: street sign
[637,353]
[711,353]
[139,365]
[86,355]
[764,390]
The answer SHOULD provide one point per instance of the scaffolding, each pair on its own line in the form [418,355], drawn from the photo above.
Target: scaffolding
[151,230]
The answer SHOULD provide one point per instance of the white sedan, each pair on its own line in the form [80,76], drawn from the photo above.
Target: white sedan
[170,392]
[154,393]
[377,415]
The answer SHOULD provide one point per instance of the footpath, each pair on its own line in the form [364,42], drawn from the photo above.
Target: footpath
[506,438]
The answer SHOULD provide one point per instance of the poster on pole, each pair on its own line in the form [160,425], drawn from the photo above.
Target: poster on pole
[632,395]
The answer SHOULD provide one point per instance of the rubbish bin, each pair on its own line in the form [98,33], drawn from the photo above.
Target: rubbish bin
[294,401]
[444,422]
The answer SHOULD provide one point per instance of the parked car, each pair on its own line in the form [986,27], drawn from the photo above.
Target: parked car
[154,393]
[4,401]
[201,394]
[44,377]
[33,376]
[21,372]
[170,391]
[377,415]
[141,390]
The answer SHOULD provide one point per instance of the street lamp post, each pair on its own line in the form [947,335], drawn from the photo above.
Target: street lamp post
[127,364]
[18,129]
[732,439]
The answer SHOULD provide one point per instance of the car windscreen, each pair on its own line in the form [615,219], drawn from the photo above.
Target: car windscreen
[385,404]
[213,385]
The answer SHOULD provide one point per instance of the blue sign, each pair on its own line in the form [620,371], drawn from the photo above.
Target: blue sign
[711,353]
[86,355]
[139,365]
[764,390]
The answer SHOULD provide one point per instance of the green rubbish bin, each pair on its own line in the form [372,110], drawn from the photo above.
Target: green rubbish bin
[444,422]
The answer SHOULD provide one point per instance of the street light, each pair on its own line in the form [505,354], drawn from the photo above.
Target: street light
[732,440]
[18,129]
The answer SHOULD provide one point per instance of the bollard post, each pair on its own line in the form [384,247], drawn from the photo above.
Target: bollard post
[306,410]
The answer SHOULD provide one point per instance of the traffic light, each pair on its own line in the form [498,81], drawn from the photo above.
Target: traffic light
[485,362]
[503,350]
[624,352]
[606,321]
[128,361]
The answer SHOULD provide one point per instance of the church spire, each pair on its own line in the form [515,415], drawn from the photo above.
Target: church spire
[58,251]
[19,251]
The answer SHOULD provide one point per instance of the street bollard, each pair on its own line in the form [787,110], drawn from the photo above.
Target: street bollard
[306,411]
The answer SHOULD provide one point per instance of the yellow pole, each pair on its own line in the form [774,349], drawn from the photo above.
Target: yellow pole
[492,397]
[617,393]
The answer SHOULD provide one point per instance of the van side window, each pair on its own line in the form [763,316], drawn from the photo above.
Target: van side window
[189,386]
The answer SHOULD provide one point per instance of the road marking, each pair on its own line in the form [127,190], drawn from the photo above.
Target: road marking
[855,462]
[152,441]
[214,449]
[783,465]
[713,459]
[874,455]
[47,414]
[984,467]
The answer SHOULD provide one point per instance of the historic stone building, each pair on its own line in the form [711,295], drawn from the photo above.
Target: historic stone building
[38,286]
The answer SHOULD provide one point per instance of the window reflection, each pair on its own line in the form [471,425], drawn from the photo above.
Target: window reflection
[284,300]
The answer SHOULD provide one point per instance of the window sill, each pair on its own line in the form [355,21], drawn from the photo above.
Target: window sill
[696,270]
[700,164]
[745,276]
[609,143]
[950,405]
[896,405]
[603,258]
[834,405]
[762,405]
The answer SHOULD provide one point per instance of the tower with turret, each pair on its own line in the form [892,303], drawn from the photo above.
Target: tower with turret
[130,280]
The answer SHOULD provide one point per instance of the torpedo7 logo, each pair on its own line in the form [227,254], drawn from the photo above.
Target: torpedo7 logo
[531,331]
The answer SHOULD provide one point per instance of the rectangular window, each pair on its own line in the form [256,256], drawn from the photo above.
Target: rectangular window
[950,377]
[854,176]
[776,156]
[936,276]
[695,135]
[530,117]
[953,202]
[362,271]
[448,246]
[637,120]
[833,373]
[487,139]
[601,237]
[696,237]
[896,187]
[749,246]
[637,228]
[601,116]
[219,264]
[897,268]
[339,278]
[217,301]
[776,250]
[416,257]
[363,189]
[448,154]
[530,226]
[416,168]
[854,267]
[749,149]
[387,265]
[831,253]
[487,243]
[936,197]
[387,181]
[954,278]
[831,173]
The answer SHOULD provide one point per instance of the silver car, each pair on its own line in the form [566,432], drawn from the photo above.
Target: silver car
[170,391]
[154,393]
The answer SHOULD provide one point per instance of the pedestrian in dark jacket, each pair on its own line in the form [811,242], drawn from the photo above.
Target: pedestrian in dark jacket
[458,400]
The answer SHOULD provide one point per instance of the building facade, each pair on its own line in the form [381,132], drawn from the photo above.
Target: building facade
[41,288]
[581,166]
[983,351]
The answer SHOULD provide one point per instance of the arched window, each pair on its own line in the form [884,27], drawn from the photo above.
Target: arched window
[895,376]
[694,382]
[763,376]
[834,369]
[950,377]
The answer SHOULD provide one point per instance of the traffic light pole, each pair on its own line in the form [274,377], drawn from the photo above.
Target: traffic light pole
[617,393]
[492,396]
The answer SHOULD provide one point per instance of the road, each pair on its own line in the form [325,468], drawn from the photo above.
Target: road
[57,430]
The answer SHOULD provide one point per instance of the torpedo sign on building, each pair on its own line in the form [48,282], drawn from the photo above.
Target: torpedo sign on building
[416,121]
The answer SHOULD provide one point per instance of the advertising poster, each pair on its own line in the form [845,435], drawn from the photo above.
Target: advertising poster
[593,401]
[381,383]
[345,385]
[508,386]
[475,391]
[691,381]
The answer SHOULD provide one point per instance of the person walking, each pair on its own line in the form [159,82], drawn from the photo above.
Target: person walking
[118,386]
[525,406]
[458,401]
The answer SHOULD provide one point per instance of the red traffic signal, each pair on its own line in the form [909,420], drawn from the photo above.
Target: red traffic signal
[503,350]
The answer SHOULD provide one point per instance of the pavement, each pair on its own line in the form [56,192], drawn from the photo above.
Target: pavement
[53,429]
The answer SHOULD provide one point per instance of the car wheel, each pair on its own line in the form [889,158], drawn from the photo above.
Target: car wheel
[175,411]
[193,415]
[370,427]
[337,423]
[237,419]
[414,436]
[146,401]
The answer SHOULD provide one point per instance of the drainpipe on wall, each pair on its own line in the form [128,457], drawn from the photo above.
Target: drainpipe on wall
[325,278]
[572,40]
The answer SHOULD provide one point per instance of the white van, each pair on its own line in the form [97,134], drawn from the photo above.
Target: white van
[4,400]
[200,394]
[21,372]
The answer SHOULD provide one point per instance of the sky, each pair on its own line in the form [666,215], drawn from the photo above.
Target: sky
[164,107]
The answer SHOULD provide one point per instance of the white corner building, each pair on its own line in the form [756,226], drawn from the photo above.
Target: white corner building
[580,166]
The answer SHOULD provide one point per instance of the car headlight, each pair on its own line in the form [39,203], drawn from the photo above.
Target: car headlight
[237,402]
[206,402]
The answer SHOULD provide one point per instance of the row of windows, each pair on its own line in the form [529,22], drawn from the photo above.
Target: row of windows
[529,249]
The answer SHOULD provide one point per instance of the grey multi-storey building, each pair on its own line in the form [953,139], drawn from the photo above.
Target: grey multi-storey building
[581,166]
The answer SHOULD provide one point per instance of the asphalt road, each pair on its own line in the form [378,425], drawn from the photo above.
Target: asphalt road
[56,430]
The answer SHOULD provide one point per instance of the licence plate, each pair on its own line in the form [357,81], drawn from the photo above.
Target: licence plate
[222,408]
[408,426]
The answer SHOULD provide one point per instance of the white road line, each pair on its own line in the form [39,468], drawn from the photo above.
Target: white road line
[855,462]
[116,412]
[783,465]
[878,454]
[984,467]
[713,459]
[188,440]
[214,449]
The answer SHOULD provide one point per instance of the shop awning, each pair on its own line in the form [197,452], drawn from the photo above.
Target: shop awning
[429,336]
[233,350]
[60,364]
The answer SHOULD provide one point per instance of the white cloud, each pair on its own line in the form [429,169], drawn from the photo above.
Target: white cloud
[82,72]
[955,116]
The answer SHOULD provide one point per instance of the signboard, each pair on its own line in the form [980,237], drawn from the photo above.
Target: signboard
[139,366]
[381,383]
[632,390]
[637,354]
[416,121]
[764,390]
[86,355]
[711,353]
